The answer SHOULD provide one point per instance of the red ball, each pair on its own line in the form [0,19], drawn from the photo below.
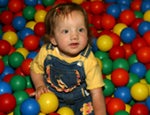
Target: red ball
[127,17]
[19,71]
[30,91]
[31,42]
[97,7]
[15,5]
[115,105]
[139,109]
[8,77]
[96,21]
[2,66]
[108,21]
[136,5]
[128,50]
[7,103]
[120,77]
[4,47]
[116,52]
[146,36]
[138,43]
[6,17]
[143,54]
[86,6]
[6,28]
[136,23]
[25,66]
[39,29]
[116,39]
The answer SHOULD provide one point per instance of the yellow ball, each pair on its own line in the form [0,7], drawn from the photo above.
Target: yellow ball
[11,37]
[30,24]
[118,28]
[139,91]
[128,108]
[65,111]
[40,15]
[23,51]
[146,16]
[77,1]
[104,43]
[48,102]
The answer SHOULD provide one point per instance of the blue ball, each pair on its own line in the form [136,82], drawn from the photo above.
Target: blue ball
[19,22]
[123,93]
[7,70]
[110,1]
[114,10]
[148,102]
[30,107]
[3,3]
[32,54]
[30,2]
[5,87]
[145,5]
[25,32]
[127,35]
[139,69]
[124,2]
[143,27]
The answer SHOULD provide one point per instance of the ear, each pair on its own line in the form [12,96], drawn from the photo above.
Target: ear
[53,41]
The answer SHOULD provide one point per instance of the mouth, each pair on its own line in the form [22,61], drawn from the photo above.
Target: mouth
[74,45]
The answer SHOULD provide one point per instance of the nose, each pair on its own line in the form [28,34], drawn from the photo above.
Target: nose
[74,35]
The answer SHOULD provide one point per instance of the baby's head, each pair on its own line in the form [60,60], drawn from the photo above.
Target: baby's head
[62,11]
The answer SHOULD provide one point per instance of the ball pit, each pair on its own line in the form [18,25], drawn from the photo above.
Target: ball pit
[123,27]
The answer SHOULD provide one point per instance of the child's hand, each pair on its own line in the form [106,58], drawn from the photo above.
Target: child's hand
[40,90]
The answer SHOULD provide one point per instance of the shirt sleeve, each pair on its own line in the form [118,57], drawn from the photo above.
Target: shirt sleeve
[93,72]
[37,65]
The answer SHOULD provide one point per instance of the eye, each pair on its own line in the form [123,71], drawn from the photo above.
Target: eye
[65,31]
[81,30]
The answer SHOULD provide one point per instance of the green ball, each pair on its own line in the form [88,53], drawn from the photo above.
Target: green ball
[121,63]
[20,96]
[17,110]
[29,82]
[5,60]
[48,2]
[107,66]
[138,14]
[18,83]
[28,12]
[147,76]
[132,59]
[19,44]
[15,59]
[109,87]
[133,78]
[101,55]
[122,112]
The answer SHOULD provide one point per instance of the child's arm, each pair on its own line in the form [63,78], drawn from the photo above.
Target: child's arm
[98,101]
[39,84]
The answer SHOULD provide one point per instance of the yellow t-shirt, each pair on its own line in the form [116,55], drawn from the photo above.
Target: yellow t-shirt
[91,67]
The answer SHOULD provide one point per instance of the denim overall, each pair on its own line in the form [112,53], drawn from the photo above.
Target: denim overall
[67,81]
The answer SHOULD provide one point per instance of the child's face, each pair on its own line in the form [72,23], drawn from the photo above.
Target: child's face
[70,34]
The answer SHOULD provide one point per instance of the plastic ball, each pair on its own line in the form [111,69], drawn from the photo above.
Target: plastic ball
[18,83]
[7,70]
[96,21]
[120,77]
[10,37]
[30,24]
[65,111]
[143,27]
[39,29]
[77,1]
[120,63]
[123,93]
[147,16]
[32,54]
[29,106]
[127,17]
[113,10]
[148,102]
[97,7]
[28,12]
[23,51]
[107,66]
[5,88]
[108,21]
[15,5]
[146,37]
[139,109]
[20,96]
[7,17]
[127,35]
[118,28]
[48,2]
[136,5]
[7,103]
[116,52]
[19,22]
[30,2]
[101,55]
[3,3]
[4,47]
[25,32]
[25,66]
[48,103]
[86,5]
[143,54]
[138,69]
[138,14]
[145,5]
[2,66]
[139,91]
[128,50]
[19,44]
[104,43]
[40,15]
[147,78]
[109,87]
[121,112]
[116,39]
[15,59]
[31,42]
[136,23]
[115,105]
